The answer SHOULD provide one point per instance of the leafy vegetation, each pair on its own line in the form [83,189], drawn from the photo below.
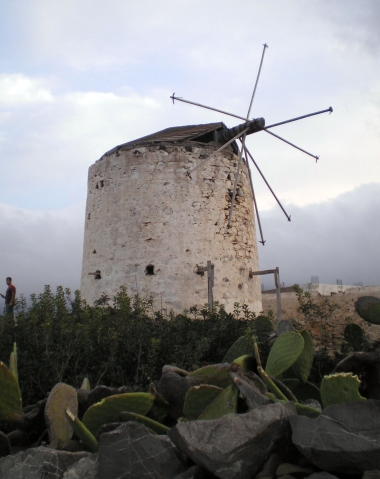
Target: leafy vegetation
[60,338]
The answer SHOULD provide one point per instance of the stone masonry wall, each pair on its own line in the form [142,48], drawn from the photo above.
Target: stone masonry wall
[142,211]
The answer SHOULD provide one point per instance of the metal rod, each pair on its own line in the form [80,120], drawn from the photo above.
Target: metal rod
[299,118]
[236,181]
[243,140]
[254,200]
[217,151]
[208,107]
[292,144]
[257,80]
[270,189]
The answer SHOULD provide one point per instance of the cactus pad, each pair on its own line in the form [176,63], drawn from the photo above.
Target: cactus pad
[198,398]
[61,397]
[284,353]
[241,347]
[340,388]
[225,403]
[354,336]
[85,385]
[149,423]
[215,375]
[10,396]
[13,361]
[368,308]
[302,366]
[82,432]
[303,391]
[246,363]
[108,409]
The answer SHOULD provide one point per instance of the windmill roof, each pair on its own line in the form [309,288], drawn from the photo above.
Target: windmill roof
[174,134]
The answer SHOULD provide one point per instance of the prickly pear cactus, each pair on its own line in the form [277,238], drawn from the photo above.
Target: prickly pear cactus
[303,391]
[198,398]
[61,397]
[225,403]
[246,363]
[13,361]
[10,396]
[368,308]
[155,426]
[354,336]
[82,432]
[284,353]
[215,375]
[108,409]
[340,388]
[242,346]
[304,363]
[86,385]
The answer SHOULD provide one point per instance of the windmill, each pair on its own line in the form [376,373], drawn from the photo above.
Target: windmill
[249,127]
[159,234]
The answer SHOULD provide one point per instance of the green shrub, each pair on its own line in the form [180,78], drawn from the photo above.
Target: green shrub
[60,338]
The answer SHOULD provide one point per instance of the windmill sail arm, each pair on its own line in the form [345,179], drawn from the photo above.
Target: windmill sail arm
[253,126]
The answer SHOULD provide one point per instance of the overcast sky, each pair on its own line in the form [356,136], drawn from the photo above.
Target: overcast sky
[79,77]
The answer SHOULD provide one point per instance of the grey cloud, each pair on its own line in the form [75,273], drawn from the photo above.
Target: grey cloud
[336,239]
[39,248]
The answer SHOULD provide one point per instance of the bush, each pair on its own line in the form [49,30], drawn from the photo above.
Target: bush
[120,342]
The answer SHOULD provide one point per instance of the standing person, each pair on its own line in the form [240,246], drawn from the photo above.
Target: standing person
[10,295]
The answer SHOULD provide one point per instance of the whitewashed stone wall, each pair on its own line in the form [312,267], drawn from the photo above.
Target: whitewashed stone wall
[142,210]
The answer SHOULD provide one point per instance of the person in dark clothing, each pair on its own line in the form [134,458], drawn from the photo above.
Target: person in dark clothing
[10,295]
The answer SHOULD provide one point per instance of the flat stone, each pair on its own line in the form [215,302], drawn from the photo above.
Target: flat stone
[86,468]
[236,445]
[344,438]
[321,475]
[371,475]
[38,463]
[195,472]
[131,451]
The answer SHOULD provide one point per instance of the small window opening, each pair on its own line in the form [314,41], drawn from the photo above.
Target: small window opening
[101,183]
[98,275]
[88,216]
[94,252]
[149,269]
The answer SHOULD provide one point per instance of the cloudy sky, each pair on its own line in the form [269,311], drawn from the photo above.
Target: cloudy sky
[79,77]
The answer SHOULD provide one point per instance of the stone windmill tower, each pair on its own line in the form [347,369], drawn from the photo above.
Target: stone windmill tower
[153,230]
[159,217]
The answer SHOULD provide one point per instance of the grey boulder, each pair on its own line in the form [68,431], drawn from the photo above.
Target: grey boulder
[321,475]
[344,438]
[194,472]
[86,468]
[236,445]
[131,451]
[38,463]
